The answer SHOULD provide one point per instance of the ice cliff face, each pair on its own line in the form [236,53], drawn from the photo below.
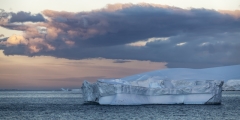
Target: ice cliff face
[151,91]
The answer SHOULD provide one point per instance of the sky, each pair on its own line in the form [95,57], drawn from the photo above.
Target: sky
[58,44]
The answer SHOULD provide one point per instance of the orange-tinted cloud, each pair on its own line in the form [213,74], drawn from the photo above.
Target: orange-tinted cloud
[16,40]
[235,13]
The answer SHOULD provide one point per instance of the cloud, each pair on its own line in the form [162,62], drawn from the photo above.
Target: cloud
[26,17]
[121,61]
[16,40]
[235,13]
[6,18]
[3,17]
[167,34]
[1,35]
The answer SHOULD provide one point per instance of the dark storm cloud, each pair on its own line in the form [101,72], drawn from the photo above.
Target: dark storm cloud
[197,52]
[195,36]
[121,61]
[26,17]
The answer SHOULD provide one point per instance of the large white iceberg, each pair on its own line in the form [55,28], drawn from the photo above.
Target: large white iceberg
[153,91]
[167,86]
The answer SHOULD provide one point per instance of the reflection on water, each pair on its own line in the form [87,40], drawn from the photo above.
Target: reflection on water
[39,94]
[69,105]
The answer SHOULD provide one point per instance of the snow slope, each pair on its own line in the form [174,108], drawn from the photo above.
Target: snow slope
[218,73]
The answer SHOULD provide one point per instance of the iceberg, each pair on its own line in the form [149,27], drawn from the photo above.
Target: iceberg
[167,86]
[152,91]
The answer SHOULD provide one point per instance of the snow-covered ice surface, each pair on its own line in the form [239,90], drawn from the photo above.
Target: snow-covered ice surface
[167,86]
[216,73]
[232,85]
[48,105]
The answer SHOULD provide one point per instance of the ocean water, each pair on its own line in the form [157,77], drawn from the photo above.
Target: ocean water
[59,105]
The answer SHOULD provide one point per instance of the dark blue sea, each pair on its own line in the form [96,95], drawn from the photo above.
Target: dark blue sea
[60,105]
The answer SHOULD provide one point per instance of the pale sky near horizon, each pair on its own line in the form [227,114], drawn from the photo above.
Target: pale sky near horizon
[80,5]
[44,72]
